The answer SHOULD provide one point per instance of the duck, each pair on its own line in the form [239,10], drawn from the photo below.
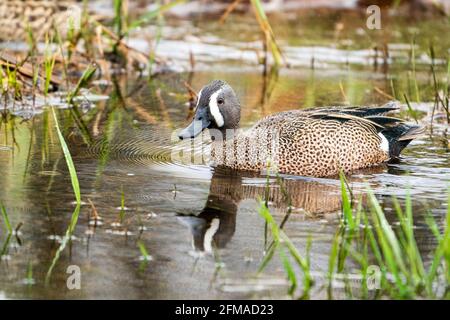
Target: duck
[315,142]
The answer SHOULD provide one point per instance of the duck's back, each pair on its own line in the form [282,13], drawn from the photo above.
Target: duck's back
[323,147]
[319,142]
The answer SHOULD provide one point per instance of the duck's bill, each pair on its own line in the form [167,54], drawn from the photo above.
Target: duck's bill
[200,123]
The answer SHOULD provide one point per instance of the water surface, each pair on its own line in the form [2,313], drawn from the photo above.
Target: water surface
[200,225]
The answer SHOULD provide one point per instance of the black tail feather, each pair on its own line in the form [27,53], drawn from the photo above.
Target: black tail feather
[400,136]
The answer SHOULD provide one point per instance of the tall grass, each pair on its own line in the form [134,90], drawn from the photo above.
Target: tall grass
[269,36]
[49,65]
[6,219]
[413,62]
[82,82]
[10,84]
[69,160]
[366,238]
[283,244]
[76,189]
[438,86]
[269,40]
[411,111]
[120,16]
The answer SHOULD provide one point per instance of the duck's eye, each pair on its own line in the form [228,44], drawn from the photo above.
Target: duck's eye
[220,101]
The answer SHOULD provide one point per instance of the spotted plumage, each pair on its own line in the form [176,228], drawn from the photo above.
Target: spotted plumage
[313,142]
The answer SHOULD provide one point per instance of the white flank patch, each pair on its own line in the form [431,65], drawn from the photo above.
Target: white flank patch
[209,234]
[214,108]
[384,145]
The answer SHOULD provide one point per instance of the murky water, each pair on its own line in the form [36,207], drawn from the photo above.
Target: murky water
[200,226]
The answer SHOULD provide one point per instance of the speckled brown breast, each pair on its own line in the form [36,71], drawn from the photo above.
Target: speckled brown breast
[296,143]
[16,15]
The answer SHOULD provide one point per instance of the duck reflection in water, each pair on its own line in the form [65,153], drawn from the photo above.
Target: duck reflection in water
[215,225]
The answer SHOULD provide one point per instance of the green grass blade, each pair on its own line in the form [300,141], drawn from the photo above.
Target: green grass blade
[83,81]
[346,204]
[67,237]
[290,272]
[267,29]
[265,213]
[414,256]
[298,258]
[122,206]
[143,250]
[387,231]
[76,190]
[411,111]
[268,257]
[69,161]
[332,260]
[6,218]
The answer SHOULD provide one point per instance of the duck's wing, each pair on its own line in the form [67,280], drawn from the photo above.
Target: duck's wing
[370,115]
[342,117]
[359,111]
[373,115]
[397,132]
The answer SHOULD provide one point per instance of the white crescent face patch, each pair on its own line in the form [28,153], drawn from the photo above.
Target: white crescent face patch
[214,108]
[199,97]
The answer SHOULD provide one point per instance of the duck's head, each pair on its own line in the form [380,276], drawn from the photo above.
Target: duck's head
[217,108]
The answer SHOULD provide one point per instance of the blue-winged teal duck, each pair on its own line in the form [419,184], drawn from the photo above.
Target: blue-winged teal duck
[312,142]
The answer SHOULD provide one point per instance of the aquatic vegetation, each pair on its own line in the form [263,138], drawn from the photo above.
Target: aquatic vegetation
[413,62]
[11,87]
[279,237]
[82,82]
[366,238]
[49,65]
[441,91]
[120,17]
[69,160]
[76,190]
[411,111]
[145,256]
[6,219]
[122,207]
[269,41]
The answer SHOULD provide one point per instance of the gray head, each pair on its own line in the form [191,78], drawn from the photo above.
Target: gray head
[217,108]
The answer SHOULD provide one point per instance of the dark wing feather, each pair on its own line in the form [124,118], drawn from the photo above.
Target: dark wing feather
[344,117]
[359,111]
